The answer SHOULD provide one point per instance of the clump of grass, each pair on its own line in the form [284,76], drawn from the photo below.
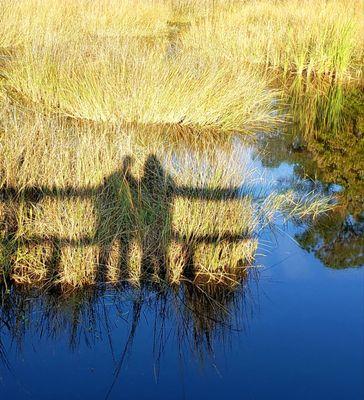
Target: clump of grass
[86,216]
[295,205]
[313,38]
[197,64]
[113,70]
[135,85]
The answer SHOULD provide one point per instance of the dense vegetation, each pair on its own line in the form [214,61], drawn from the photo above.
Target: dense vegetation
[110,115]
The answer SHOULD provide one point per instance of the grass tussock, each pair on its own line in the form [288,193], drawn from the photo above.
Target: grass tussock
[202,64]
[116,213]
[127,71]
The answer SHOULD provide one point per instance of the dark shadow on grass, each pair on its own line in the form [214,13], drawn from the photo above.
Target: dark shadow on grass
[127,211]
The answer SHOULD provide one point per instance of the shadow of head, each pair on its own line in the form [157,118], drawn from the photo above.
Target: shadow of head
[154,176]
[121,176]
[127,164]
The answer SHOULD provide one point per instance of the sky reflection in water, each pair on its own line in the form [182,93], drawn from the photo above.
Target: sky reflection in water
[293,330]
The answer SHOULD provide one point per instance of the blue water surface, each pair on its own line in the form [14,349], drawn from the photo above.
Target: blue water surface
[294,330]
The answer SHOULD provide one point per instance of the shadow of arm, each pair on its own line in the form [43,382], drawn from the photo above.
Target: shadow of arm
[208,194]
[36,193]
[209,239]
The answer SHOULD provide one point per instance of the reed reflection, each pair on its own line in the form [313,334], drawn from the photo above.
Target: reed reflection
[191,317]
[325,144]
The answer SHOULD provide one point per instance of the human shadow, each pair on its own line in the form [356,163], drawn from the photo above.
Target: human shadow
[133,219]
[114,226]
[156,187]
[134,216]
[133,229]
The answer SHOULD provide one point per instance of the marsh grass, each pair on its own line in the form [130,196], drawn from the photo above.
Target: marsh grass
[134,209]
[115,163]
[201,64]
[129,224]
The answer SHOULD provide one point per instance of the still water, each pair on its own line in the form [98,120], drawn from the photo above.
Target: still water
[293,330]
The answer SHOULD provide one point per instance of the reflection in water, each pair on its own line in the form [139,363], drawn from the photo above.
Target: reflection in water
[174,250]
[175,237]
[326,146]
[195,317]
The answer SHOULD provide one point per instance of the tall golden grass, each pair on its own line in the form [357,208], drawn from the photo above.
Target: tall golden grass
[83,203]
[86,212]
[96,185]
[180,62]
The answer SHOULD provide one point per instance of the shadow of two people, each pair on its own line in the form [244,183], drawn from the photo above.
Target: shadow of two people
[133,214]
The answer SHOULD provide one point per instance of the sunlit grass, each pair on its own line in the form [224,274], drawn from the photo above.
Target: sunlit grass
[313,38]
[127,72]
[132,209]
[143,86]
[181,62]
[85,85]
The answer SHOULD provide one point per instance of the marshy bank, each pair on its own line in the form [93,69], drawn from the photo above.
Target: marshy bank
[163,166]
